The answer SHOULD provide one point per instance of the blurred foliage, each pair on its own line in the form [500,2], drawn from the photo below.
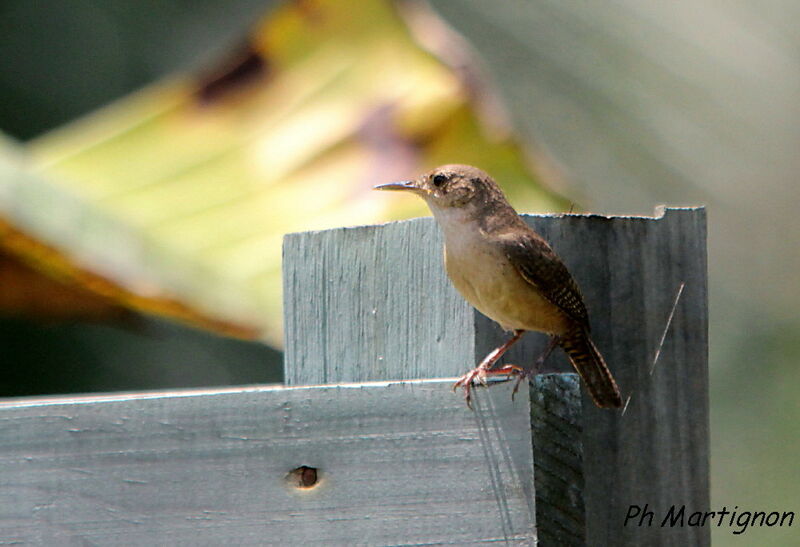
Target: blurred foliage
[199,178]
[40,282]
[64,328]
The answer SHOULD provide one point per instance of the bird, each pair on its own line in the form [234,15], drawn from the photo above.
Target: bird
[508,272]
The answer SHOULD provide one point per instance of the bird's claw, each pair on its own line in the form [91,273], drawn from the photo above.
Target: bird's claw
[468,379]
[522,375]
[481,373]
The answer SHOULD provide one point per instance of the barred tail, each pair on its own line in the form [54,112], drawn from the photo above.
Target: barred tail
[591,367]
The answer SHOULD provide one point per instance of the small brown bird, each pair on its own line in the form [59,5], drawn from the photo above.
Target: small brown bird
[510,274]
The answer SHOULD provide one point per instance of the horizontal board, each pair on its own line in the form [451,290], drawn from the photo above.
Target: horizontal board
[398,463]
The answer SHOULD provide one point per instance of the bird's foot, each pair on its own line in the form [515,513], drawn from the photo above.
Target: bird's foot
[485,369]
[526,374]
[521,376]
[479,375]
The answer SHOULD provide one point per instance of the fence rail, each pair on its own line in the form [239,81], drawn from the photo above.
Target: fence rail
[390,456]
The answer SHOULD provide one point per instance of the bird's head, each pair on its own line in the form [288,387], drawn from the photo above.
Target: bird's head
[449,186]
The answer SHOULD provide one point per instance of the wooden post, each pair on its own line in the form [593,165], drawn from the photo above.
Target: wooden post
[374,303]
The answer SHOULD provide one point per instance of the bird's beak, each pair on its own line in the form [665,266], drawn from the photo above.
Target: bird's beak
[402,185]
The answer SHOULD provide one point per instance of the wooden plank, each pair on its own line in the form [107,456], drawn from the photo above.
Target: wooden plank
[355,298]
[398,463]
[556,412]
[409,323]
[657,452]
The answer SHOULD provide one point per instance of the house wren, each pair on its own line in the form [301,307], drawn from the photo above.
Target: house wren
[510,274]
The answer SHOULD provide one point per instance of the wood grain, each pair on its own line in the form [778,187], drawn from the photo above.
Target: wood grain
[556,412]
[398,464]
[372,303]
[657,452]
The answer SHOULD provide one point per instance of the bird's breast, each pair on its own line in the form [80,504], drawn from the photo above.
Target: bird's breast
[486,278]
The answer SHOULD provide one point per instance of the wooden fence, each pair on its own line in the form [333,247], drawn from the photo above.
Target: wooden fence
[384,453]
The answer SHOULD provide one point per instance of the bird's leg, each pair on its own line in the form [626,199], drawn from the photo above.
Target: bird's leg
[531,372]
[485,367]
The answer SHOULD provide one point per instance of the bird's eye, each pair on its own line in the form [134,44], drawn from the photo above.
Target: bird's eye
[439,179]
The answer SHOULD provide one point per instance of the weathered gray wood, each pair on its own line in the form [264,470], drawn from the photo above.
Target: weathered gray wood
[371,303]
[398,464]
[558,459]
[407,322]
[657,452]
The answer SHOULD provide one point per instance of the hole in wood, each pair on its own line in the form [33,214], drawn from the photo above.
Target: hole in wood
[303,477]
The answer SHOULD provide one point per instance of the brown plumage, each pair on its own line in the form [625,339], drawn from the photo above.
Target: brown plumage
[509,273]
[591,366]
[539,265]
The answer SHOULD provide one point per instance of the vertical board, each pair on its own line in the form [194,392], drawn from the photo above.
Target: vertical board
[355,298]
[630,270]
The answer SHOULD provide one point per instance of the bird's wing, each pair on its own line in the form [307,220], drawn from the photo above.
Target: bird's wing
[540,266]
